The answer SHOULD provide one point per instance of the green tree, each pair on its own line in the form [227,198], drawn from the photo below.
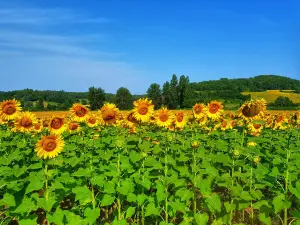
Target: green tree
[154,93]
[84,102]
[167,95]
[39,105]
[283,102]
[123,98]
[183,89]
[174,92]
[96,97]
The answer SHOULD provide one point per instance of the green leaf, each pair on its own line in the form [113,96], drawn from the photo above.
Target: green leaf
[201,218]
[74,219]
[134,156]
[126,187]
[8,200]
[91,215]
[278,203]
[83,194]
[265,218]
[27,222]
[35,166]
[214,203]
[109,187]
[246,196]
[129,212]
[46,204]
[131,197]
[57,217]
[81,172]
[119,222]
[26,206]
[107,200]
[141,199]
[184,194]
[34,185]
[151,209]
[178,206]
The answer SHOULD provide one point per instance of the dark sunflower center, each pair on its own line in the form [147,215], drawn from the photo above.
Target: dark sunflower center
[73,126]
[108,115]
[279,119]
[57,123]
[256,126]
[9,109]
[251,111]
[224,124]
[214,108]
[143,109]
[80,111]
[26,122]
[179,117]
[163,117]
[198,109]
[49,145]
[130,118]
[92,120]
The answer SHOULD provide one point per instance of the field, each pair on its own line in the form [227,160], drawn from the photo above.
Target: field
[164,168]
[271,95]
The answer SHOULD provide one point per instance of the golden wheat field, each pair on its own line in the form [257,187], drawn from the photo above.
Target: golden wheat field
[271,95]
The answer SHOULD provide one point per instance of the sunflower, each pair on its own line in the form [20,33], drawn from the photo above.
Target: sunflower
[214,110]
[25,122]
[38,127]
[45,121]
[10,109]
[79,113]
[199,110]
[143,109]
[180,119]
[57,124]
[49,146]
[131,120]
[164,117]
[92,120]
[225,124]
[110,114]
[202,121]
[281,122]
[269,121]
[252,110]
[255,127]
[73,126]
[251,144]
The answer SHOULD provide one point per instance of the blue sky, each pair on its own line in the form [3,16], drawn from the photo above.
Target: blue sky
[75,44]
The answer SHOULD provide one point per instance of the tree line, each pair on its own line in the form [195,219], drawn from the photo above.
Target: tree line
[178,93]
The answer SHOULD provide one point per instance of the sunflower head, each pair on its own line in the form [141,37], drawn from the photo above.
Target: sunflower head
[143,109]
[164,117]
[57,124]
[110,114]
[10,109]
[214,110]
[255,127]
[73,126]
[252,110]
[195,144]
[199,110]
[38,127]
[49,146]
[251,144]
[225,124]
[25,122]
[256,159]
[92,120]
[79,112]
[180,119]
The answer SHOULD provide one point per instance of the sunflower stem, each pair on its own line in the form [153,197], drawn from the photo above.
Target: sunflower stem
[46,184]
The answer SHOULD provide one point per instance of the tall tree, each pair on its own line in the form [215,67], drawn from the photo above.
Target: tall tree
[174,92]
[154,93]
[184,85]
[123,98]
[167,94]
[96,97]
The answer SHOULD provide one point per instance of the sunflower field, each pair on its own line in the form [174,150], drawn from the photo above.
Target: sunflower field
[150,167]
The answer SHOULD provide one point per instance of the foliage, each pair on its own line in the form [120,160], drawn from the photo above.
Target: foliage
[154,93]
[123,98]
[96,97]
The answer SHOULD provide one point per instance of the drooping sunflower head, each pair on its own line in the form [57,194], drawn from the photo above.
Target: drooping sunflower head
[79,112]
[225,124]
[130,120]
[57,124]
[143,109]
[92,120]
[73,126]
[25,122]
[49,146]
[199,110]
[164,117]
[180,119]
[110,114]
[10,109]
[252,110]
[214,110]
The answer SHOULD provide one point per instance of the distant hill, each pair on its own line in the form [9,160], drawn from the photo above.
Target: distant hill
[271,95]
[253,84]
